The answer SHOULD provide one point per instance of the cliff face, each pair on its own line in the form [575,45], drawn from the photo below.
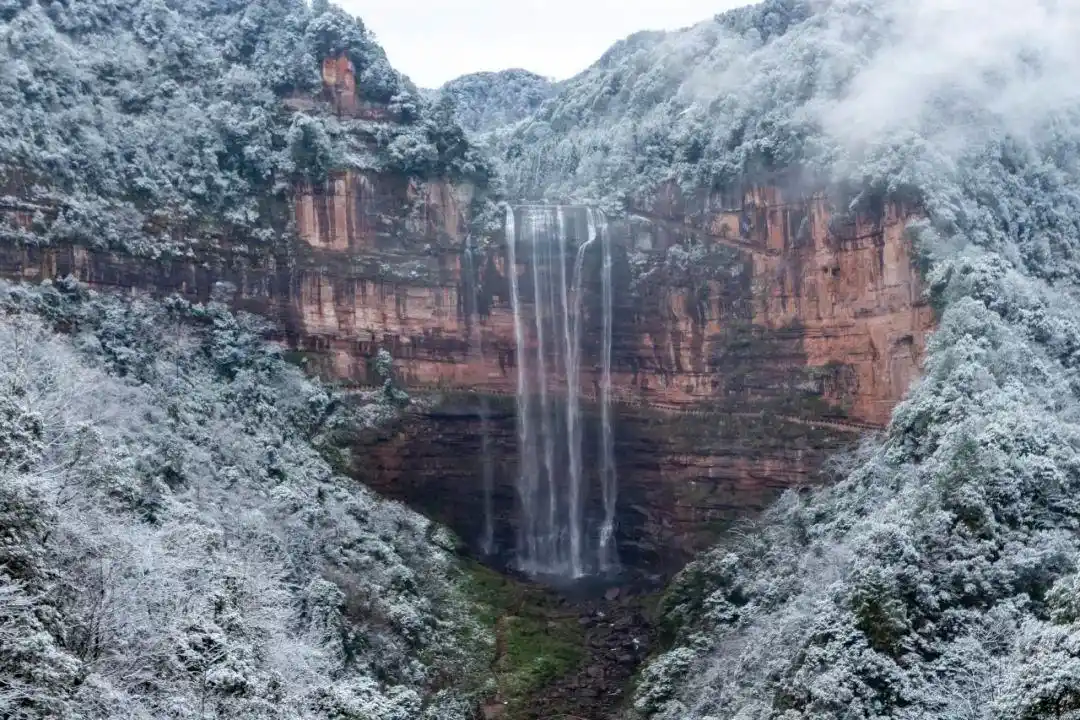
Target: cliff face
[834,298]
[788,305]
[738,369]
[833,306]
[683,478]
[737,365]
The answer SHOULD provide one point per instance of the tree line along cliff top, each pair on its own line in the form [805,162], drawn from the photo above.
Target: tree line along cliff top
[146,126]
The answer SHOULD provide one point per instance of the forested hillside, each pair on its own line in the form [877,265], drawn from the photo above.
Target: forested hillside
[489,100]
[151,126]
[691,105]
[178,536]
[938,577]
[175,541]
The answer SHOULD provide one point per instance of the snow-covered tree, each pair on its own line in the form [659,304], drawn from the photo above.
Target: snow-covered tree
[173,542]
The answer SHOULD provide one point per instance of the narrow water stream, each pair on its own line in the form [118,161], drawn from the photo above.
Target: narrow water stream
[476,351]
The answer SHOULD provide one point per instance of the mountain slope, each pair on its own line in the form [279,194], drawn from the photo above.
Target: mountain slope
[937,577]
[175,543]
[657,105]
[489,100]
[178,538]
[149,126]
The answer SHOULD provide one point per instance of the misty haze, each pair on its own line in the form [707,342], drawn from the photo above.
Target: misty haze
[642,360]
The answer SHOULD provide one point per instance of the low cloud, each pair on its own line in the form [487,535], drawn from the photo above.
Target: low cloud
[954,70]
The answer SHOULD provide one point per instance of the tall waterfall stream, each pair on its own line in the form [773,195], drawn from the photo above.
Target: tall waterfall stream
[557,536]
[558,275]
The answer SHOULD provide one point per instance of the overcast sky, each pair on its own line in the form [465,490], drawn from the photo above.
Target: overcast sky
[433,41]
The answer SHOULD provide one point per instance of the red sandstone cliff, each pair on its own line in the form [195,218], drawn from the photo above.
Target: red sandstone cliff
[805,315]
[836,303]
[842,292]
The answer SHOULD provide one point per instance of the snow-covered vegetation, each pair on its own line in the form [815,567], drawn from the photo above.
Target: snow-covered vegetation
[689,105]
[488,100]
[938,577]
[174,542]
[146,123]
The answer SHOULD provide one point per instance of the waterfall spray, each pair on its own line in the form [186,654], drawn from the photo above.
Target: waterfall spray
[608,481]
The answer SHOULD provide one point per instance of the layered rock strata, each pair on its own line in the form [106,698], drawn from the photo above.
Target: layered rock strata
[752,331]
[684,478]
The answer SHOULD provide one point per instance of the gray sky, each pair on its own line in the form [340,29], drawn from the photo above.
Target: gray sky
[433,41]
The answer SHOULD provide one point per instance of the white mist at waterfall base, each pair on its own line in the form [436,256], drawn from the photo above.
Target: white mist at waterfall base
[556,535]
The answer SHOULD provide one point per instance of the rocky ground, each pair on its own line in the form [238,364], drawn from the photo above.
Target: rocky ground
[617,636]
[570,654]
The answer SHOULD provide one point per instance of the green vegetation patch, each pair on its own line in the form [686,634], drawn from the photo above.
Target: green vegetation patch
[537,641]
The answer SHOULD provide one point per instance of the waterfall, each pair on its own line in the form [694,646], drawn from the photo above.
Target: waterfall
[476,353]
[557,534]
[573,385]
[528,532]
[608,480]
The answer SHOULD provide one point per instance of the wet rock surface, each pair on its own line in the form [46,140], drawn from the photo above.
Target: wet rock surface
[614,631]
[682,480]
[617,638]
